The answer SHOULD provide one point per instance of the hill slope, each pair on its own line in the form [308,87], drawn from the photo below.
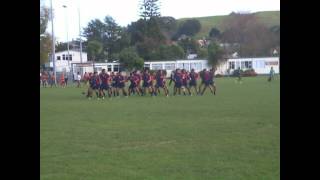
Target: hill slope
[269,18]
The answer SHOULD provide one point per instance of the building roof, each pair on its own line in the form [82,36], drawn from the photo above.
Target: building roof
[70,51]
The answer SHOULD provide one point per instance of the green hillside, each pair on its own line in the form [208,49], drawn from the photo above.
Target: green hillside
[269,18]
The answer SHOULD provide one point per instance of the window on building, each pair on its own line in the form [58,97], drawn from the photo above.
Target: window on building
[58,57]
[232,65]
[196,66]
[243,65]
[237,64]
[179,65]
[63,57]
[248,64]
[109,68]
[70,57]
[156,66]
[98,69]
[170,66]
[116,68]
[146,66]
[186,66]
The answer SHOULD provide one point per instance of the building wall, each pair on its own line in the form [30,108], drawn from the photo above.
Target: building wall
[75,56]
[260,65]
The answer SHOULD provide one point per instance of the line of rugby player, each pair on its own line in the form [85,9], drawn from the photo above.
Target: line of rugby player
[150,83]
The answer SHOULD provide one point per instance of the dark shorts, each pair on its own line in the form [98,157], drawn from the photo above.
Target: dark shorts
[146,84]
[104,87]
[120,85]
[160,85]
[211,82]
[185,84]
[178,85]
[192,83]
[132,85]
[95,87]
[207,83]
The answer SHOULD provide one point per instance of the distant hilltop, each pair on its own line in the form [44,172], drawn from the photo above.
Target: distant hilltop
[269,18]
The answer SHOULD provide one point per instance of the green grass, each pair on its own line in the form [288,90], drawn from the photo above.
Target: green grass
[268,18]
[233,135]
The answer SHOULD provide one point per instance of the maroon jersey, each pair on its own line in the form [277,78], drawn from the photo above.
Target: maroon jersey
[207,76]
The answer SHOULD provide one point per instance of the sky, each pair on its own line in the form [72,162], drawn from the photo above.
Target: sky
[66,20]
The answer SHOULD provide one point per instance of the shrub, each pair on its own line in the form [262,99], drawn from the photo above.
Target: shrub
[249,72]
[218,75]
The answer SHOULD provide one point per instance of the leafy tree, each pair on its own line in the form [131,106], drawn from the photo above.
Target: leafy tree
[171,52]
[111,36]
[95,31]
[130,59]
[45,38]
[202,53]
[168,26]
[253,38]
[149,9]
[94,49]
[214,33]
[190,27]
[45,48]
[189,45]
[215,54]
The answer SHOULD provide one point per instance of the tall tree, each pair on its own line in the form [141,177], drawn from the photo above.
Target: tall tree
[215,54]
[168,26]
[190,27]
[253,38]
[149,9]
[111,36]
[94,49]
[45,38]
[130,59]
[214,33]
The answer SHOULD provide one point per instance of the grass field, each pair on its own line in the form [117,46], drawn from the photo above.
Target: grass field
[234,135]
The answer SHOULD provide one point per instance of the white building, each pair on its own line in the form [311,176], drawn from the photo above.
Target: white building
[169,66]
[260,65]
[88,67]
[64,62]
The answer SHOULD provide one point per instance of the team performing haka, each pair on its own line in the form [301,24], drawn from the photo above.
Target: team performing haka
[146,83]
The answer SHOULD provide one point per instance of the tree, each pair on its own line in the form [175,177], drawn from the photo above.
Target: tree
[253,38]
[109,33]
[130,59]
[214,33]
[149,9]
[45,48]
[95,31]
[190,27]
[189,45]
[45,38]
[168,26]
[203,53]
[94,48]
[111,36]
[215,54]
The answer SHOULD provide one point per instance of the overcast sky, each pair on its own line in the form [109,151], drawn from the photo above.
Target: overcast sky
[126,11]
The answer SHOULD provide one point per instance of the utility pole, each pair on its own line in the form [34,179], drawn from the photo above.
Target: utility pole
[53,46]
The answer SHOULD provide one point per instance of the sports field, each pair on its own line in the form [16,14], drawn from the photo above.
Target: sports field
[234,135]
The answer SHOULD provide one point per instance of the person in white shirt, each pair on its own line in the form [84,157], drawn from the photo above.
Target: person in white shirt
[78,79]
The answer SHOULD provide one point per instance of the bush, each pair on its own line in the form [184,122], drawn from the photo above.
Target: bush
[249,72]
[246,73]
[236,72]
[218,75]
